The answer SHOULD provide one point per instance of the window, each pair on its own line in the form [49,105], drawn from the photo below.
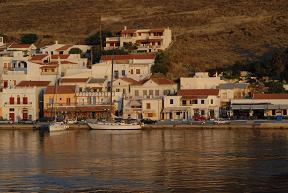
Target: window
[211,101]
[148,105]
[144,92]
[18,99]
[178,113]
[117,90]
[123,73]
[25,100]
[150,114]
[202,112]
[137,71]
[61,52]
[151,92]
[166,92]
[124,90]
[194,102]
[5,83]
[273,112]
[11,100]
[136,92]
[184,102]
[94,100]
[116,74]
[50,101]
[68,101]
[11,109]
[131,71]
[53,70]
[171,101]
[285,112]
[156,92]
[202,102]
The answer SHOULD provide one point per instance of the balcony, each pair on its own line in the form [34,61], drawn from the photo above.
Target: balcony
[113,39]
[7,104]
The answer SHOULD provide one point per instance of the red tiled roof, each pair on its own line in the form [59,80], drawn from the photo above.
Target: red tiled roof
[62,89]
[73,80]
[61,56]
[61,62]
[65,47]
[30,83]
[198,92]
[270,96]
[161,80]
[19,45]
[130,80]
[49,66]
[38,57]
[128,57]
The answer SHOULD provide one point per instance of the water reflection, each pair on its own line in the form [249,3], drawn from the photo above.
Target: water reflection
[149,161]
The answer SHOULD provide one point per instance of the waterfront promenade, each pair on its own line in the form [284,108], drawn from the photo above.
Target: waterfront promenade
[243,124]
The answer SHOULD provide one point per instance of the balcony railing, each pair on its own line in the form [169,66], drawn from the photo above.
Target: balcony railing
[17,104]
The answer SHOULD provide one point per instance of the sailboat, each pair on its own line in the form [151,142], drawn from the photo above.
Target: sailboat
[57,125]
[111,124]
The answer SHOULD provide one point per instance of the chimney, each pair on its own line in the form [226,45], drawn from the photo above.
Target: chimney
[56,42]
[125,27]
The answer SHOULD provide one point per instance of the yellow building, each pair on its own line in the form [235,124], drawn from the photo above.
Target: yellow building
[56,99]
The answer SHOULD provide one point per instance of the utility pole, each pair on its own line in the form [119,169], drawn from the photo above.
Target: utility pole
[100,33]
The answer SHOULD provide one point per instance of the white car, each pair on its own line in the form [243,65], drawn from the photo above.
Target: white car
[221,121]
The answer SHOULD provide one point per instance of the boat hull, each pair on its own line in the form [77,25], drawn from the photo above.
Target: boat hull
[114,126]
[58,127]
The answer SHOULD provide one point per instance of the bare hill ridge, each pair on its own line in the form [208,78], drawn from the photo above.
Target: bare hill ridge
[207,33]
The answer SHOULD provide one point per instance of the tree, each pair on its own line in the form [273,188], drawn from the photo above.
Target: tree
[94,39]
[75,51]
[162,63]
[275,87]
[28,38]
[130,46]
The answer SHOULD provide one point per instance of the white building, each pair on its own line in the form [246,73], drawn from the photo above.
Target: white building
[201,80]
[61,49]
[20,103]
[146,40]
[192,103]
[152,108]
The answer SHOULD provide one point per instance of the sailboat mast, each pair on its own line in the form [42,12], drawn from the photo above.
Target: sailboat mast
[111,86]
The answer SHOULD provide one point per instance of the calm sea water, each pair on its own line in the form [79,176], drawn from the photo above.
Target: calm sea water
[144,161]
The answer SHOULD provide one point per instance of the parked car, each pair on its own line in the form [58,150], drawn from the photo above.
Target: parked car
[148,121]
[5,121]
[199,118]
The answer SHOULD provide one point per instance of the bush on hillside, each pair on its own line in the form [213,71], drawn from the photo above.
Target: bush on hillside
[28,38]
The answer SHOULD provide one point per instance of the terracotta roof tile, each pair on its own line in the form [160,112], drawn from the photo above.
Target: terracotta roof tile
[270,96]
[65,47]
[161,80]
[30,83]
[19,45]
[62,89]
[38,57]
[73,80]
[128,57]
[198,92]
[157,30]
[61,56]
[125,31]
[130,80]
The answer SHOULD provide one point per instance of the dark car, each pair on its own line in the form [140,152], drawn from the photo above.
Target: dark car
[148,121]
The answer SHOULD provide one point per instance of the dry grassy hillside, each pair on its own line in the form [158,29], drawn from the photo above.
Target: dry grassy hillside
[207,33]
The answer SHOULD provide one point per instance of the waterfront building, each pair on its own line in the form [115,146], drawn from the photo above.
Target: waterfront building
[145,40]
[260,106]
[69,102]
[191,103]
[201,80]
[229,92]
[150,91]
[20,103]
